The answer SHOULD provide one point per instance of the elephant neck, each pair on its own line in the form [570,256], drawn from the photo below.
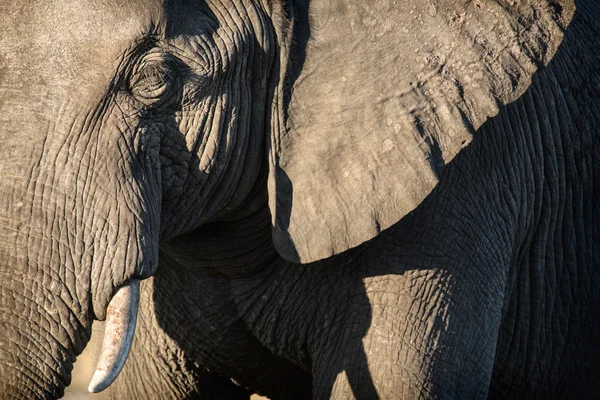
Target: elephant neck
[237,245]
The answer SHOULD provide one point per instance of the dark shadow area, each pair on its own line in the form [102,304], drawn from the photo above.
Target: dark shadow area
[196,311]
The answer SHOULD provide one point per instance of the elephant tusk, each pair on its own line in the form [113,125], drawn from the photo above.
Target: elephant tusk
[120,327]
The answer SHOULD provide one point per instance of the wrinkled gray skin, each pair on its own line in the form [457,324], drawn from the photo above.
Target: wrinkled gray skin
[128,125]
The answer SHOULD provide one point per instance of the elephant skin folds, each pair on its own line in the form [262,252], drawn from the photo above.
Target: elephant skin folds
[321,198]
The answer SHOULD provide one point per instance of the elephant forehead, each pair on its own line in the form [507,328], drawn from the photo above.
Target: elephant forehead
[70,42]
[78,45]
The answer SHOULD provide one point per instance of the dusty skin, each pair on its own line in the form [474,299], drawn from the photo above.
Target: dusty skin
[327,199]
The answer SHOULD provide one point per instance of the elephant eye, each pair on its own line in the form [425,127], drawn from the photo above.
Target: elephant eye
[154,80]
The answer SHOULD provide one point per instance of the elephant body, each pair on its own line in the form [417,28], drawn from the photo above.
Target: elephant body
[394,242]
[488,289]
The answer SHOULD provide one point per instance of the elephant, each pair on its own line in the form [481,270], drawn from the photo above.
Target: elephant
[326,198]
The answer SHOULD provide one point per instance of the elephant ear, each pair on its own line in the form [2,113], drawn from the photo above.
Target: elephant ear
[379,96]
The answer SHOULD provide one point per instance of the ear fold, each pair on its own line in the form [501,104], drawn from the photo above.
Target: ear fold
[379,96]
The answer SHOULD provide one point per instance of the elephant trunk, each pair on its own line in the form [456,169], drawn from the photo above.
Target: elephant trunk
[46,311]
[40,334]
[76,223]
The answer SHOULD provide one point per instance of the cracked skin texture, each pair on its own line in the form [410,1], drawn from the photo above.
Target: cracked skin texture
[437,277]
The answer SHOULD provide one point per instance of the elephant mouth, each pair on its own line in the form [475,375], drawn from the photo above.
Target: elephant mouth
[121,316]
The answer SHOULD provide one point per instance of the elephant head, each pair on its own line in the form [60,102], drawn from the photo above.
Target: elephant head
[126,123]
[122,124]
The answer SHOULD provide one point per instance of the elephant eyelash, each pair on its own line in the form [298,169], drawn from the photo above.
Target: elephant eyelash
[152,77]
[155,79]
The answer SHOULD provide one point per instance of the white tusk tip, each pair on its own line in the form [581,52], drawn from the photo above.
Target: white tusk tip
[100,381]
[118,336]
